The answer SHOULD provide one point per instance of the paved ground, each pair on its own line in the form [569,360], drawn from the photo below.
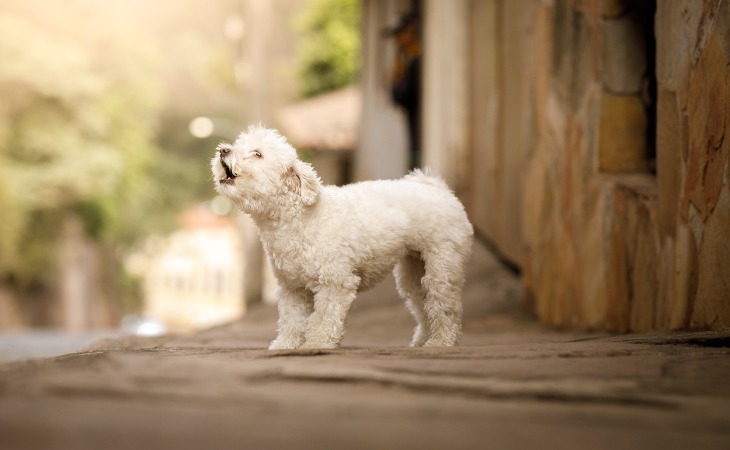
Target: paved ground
[44,343]
[511,385]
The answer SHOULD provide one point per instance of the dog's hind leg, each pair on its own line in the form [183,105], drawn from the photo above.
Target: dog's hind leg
[294,308]
[408,273]
[443,281]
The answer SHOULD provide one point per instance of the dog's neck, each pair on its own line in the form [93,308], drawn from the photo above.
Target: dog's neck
[270,216]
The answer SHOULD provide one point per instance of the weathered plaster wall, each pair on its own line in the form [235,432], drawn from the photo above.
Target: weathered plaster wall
[610,245]
[444,90]
[499,135]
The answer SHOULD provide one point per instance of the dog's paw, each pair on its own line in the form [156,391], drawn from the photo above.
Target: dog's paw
[319,345]
[420,336]
[435,342]
[284,345]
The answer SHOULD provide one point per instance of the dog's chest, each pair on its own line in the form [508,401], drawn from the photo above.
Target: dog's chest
[291,264]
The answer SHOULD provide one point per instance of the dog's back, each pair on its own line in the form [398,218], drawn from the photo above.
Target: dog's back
[426,177]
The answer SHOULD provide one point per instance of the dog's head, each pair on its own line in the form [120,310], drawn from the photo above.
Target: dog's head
[260,172]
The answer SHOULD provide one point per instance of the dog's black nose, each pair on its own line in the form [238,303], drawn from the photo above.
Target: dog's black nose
[224,151]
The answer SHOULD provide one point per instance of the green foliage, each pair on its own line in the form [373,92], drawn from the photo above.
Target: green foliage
[76,137]
[95,101]
[329,50]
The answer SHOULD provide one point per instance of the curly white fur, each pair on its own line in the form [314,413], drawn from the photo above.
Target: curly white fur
[326,243]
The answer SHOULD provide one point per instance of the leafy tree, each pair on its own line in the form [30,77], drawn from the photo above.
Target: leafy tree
[329,53]
[76,137]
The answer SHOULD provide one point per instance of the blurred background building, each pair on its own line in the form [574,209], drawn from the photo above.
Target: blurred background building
[193,278]
[585,137]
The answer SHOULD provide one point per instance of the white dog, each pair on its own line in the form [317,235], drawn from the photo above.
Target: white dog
[326,243]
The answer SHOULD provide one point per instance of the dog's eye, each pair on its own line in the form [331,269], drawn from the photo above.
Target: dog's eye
[257,153]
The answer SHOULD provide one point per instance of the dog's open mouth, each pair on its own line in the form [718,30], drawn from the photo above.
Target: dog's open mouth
[230,177]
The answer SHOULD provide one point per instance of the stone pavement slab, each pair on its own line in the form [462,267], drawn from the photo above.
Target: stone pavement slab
[511,385]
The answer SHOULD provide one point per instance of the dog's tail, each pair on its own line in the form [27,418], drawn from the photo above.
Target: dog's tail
[425,176]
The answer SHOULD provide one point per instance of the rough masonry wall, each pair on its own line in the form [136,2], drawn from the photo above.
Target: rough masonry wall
[693,74]
[610,245]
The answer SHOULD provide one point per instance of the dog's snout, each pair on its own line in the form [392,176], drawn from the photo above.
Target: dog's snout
[224,151]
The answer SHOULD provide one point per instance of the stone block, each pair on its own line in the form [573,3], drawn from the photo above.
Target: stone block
[669,160]
[675,21]
[617,272]
[624,55]
[614,8]
[631,252]
[711,308]
[684,279]
[622,140]
[708,117]
[576,57]
[595,298]
[644,245]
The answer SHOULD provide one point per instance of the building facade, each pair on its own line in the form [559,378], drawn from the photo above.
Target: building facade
[587,139]
[193,279]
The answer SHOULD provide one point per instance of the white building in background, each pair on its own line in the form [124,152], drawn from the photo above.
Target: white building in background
[193,279]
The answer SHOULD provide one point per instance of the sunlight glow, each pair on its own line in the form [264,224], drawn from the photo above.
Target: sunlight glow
[201,127]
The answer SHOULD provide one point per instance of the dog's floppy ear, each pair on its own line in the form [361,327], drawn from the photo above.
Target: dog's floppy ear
[302,179]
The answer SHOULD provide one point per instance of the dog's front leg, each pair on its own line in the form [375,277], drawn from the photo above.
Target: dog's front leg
[294,308]
[326,325]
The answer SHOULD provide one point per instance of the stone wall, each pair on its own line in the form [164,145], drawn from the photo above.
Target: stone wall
[693,72]
[610,242]
[587,140]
